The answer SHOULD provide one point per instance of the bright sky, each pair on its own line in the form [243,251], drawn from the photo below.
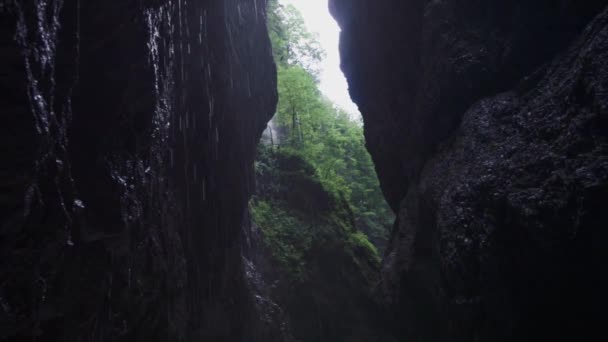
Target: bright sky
[317,19]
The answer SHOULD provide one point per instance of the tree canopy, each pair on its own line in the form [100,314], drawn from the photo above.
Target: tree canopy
[323,134]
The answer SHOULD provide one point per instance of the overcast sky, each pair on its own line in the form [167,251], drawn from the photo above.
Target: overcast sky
[317,19]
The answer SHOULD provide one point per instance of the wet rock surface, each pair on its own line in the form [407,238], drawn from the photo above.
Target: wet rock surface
[274,323]
[128,132]
[487,123]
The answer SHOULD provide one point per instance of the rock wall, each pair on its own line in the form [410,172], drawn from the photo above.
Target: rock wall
[487,124]
[128,132]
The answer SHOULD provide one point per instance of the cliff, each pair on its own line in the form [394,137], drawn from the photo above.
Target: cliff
[129,131]
[487,125]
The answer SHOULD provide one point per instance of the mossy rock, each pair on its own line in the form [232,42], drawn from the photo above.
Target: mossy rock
[325,269]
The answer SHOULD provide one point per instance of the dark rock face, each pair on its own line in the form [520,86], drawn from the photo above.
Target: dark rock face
[487,123]
[273,324]
[128,133]
[415,66]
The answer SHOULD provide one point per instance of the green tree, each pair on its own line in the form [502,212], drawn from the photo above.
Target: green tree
[317,130]
[292,43]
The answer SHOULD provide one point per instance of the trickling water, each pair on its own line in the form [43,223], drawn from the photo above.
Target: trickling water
[78,203]
[271,135]
[204,189]
[148,120]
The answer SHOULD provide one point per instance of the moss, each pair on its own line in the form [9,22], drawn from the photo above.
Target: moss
[327,269]
[360,243]
[294,209]
[285,235]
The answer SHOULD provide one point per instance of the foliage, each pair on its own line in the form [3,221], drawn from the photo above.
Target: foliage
[296,211]
[284,234]
[360,243]
[292,43]
[317,201]
[324,271]
[315,130]
[318,131]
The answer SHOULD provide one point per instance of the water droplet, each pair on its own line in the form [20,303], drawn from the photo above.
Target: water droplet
[204,189]
[78,204]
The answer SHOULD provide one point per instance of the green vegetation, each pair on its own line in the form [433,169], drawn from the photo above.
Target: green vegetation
[312,127]
[285,234]
[324,272]
[318,204]
[299,215]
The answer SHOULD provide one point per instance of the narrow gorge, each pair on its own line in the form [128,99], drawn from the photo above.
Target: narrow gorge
[144,198]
